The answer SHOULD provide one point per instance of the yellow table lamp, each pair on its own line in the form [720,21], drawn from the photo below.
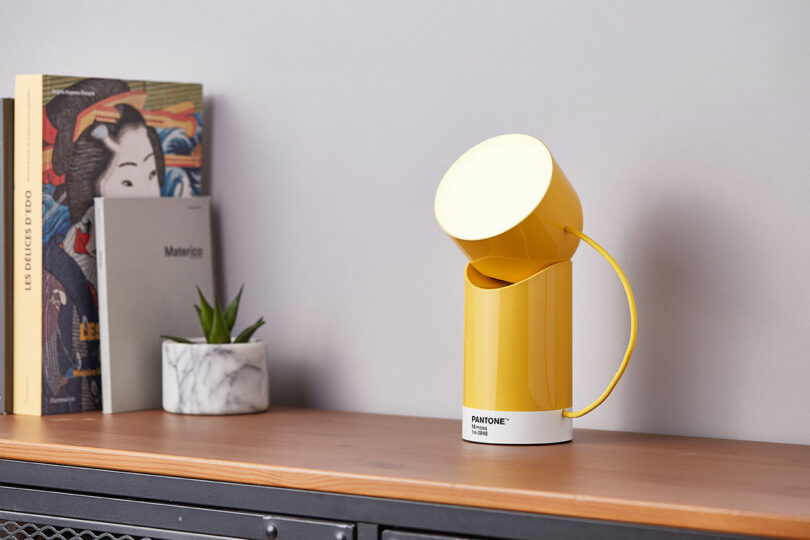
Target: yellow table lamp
[512,211]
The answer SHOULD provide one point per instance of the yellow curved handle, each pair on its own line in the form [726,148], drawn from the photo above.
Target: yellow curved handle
[633,324]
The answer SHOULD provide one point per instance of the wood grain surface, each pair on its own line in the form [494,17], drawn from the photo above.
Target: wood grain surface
[710,484]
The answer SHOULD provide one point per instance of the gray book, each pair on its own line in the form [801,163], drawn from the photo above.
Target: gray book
[6,241]
[151,253]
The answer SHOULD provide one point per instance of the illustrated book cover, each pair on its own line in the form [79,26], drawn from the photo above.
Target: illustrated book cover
[76,139]
[6,191]
[151,253]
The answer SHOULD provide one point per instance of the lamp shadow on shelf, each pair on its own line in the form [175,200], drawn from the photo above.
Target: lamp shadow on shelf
[690,286]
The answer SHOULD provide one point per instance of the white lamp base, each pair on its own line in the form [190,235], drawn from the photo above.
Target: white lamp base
[515,427]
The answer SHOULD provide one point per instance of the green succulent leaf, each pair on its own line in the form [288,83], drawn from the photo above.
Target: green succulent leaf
[219,330]
[248,332]
[232,309]
[206,313]
[174,338]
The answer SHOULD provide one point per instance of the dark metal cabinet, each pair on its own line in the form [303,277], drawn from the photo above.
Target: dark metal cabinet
[54,502]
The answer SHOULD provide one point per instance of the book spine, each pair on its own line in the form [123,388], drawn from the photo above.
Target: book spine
[28,245]
[6,377]
[104,330]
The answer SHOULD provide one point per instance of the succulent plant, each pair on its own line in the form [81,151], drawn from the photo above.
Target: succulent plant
[217,324]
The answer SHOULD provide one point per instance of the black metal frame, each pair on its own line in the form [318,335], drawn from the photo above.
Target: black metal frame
[244,511]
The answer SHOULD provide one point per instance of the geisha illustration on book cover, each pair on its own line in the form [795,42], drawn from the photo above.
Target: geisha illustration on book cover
[101,138]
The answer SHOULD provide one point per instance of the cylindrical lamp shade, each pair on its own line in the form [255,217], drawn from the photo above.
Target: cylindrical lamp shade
[506,202]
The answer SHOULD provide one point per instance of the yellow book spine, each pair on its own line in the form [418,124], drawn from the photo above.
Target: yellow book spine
[28,245]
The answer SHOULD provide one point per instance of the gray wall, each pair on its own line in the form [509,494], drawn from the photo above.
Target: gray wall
[684,126]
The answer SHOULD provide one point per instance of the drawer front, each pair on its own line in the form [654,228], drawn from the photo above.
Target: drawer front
[406,535]
[287,528]
[38,514]
[18,526]
[21,526]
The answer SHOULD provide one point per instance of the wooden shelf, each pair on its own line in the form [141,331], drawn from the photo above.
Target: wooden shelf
[711,484]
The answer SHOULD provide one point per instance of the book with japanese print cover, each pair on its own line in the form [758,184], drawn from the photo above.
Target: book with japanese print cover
[79,138]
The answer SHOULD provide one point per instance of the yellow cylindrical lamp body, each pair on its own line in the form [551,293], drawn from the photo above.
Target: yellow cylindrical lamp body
[517,357]
[517,341]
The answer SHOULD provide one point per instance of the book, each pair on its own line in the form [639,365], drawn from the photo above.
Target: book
[6,197]
[78,138]
[151,254]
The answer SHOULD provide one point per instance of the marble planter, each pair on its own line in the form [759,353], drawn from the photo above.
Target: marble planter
[199,378]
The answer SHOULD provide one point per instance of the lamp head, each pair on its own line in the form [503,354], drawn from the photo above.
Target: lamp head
[506,202]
